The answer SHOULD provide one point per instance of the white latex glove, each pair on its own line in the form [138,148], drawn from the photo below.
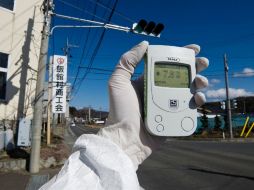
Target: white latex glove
[110,159]
[125,125]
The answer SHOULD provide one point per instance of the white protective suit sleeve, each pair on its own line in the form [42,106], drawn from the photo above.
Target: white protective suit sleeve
[109,160]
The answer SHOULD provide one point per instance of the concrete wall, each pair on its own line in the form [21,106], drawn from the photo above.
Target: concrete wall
[20,37]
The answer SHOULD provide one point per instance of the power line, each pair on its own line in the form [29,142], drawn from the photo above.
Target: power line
[115,11]
[88,33]
[99,4]
[214,73]
[226,42]
[96,49]
[84,7]
[83,52]
[70,5]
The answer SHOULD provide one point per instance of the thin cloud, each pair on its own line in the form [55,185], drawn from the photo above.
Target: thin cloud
[215,81]
[247,72]
[233,93]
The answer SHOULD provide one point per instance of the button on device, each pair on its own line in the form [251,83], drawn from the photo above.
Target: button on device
[158,118]
[187,124]
[160,128]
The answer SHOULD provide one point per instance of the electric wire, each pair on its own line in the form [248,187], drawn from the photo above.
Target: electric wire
[96,48]
[83,53]
[131,20]
[222,74]
[115,11]
[92,40]
[80,9]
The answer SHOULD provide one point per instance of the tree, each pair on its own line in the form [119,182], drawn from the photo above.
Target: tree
[73,111]
[204,121]
[217,123]
[226,125]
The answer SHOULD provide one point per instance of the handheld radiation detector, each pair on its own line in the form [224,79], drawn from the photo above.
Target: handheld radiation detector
[169,105]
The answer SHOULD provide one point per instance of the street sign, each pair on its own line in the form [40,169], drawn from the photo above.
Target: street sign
[59,84]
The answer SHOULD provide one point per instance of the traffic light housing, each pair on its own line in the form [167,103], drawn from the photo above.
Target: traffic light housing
[234,104]
[148,28]
[223,105]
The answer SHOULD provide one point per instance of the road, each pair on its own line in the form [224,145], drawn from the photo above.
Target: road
[199,165]
[81,129]
[205,165]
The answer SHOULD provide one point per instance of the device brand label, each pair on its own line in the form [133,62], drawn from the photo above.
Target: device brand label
[175,59]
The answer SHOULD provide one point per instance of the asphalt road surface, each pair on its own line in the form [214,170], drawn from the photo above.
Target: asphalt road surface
[80,129]
[204,165]
[199,165]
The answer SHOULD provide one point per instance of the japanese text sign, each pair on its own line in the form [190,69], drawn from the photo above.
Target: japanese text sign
[59,84]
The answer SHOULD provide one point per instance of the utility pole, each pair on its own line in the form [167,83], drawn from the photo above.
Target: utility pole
[67,48]
[37,120]
[66,51]
[100,113]
[49,102]
[228,106]
[89,114]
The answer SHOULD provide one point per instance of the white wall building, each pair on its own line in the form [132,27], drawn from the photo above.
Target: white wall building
[21,24]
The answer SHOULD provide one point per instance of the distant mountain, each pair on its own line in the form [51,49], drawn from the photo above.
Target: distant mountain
[84,112]
[244,105]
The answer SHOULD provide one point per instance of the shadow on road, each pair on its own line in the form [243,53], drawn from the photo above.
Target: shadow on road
[221,173]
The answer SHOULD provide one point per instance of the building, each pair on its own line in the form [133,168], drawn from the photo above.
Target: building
[21,24]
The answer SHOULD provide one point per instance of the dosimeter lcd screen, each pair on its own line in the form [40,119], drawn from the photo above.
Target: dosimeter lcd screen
[171,75]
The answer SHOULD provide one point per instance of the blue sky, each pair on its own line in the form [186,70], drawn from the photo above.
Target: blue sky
[217,26]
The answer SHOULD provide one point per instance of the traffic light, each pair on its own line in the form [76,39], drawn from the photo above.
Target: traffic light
[138,28]
[234,103]
[150,28]
[223,105]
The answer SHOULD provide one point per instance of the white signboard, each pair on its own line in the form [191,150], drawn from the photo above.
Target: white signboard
[24,132]
[59,84]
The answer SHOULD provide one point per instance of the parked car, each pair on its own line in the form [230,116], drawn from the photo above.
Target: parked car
[99,122]
[73,124]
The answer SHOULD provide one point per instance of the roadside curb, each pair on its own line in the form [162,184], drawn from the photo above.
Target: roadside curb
[36,181]
[70,132]
[13,164]
[69,137]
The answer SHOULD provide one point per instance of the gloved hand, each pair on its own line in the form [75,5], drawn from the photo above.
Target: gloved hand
[110,159]
[125,126]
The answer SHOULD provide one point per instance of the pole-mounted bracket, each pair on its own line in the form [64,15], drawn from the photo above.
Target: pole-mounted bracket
[97,24]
